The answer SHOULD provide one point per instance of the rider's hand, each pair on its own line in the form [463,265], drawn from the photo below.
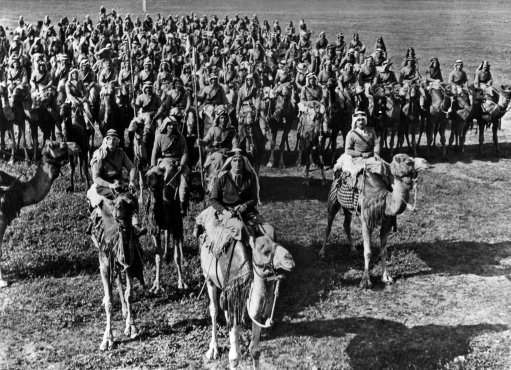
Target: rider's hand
[227,214]
[377,156]
[241,208]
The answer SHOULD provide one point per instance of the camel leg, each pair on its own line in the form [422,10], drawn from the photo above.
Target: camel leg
[481,135]
[212,353]
[254,348]
[366,235]
[124,308]
[105,271]
[13,145]
[441,132]
[347,230]
[72,164]
[273,142]
[23,138]
[130,330]
[3,226]
[234,348]
[156,288]
[495,128]
[384,232]
[178,260]
[333,208]
[282,147]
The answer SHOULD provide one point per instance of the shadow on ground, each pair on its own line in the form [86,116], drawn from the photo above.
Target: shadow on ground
[379,344]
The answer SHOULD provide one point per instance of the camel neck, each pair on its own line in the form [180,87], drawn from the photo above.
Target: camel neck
[39,185]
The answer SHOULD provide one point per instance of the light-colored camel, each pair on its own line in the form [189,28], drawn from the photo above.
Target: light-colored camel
[248,277]
[380,201]
[119,254]
[16,194]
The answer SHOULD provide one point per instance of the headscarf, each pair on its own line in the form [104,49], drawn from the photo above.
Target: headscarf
[248,166]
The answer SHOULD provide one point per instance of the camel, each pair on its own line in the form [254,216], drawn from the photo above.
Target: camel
[119,254]
[164,215]
[493,109]
[380,201]
[16,194]
[249,276]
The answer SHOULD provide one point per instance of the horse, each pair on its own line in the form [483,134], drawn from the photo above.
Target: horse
[110,114]
[248,274]
[18,102]
[337,119]
[119,254]
[164,216]
[310,128]
[42,116]
[462,112]
[385,116]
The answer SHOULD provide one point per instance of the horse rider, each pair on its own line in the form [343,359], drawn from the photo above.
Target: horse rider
[347,78]
[145,75]
[219,138]
[235,191]
[147,105]
[107,165]
[107,74]
[76,95]
[349,58]
[16,75]
[458,78]
[362,149]
[170,149]
[213,94]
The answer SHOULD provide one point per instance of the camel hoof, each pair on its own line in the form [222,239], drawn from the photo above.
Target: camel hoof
[322,253]
[3,284]
[212,353]
[387,279]
[269,165]
[131,331]
[106,344]
[365,283]
[182,285]
[156,289]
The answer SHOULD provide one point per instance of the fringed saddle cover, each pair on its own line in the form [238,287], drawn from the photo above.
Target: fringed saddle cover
[347,194]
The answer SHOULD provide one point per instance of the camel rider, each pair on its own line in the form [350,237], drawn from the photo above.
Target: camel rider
[367,74]
[283,73]
[483,78]
[362,149]
[41,82]
[177,97]
[124,77]
[385,76]
[213,94]
[170,149]
[349,58]
[145,75]
[247,99]
[235,191]
[312,91]
[147,104]
[434,73]
[321,42]
[107,74]
[301,77]
[458,78]
[107,165]
[326,73]
[77,95]
[16,75]
[347,77]
[358,46]
[409,74]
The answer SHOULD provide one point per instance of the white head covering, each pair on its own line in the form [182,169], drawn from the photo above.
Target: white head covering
[248,166]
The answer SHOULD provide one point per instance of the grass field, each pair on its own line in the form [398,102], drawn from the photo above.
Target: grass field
[449,307]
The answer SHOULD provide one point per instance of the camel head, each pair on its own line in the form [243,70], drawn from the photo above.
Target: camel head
[404,166]
[123,208]
[269,256]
